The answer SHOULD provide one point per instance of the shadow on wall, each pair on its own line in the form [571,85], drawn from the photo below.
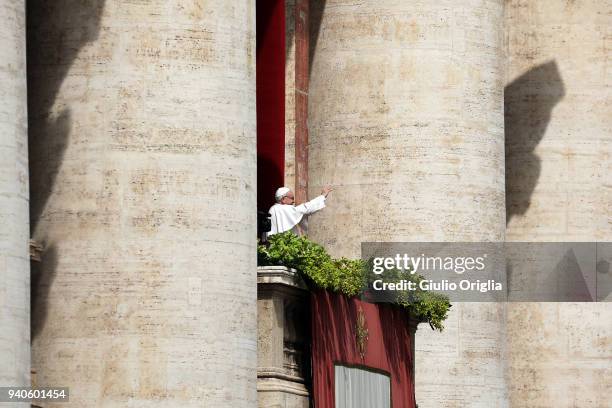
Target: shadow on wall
[56,32]
[315,15]
[528,104]
[290,31]
[40,285]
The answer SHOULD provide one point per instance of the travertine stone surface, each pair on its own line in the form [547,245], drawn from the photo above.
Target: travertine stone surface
[296,97]
[406,121]
[14,216]
[270,324]
[282,333]
[290,94]
[279,399]
[559,177]
[145,183]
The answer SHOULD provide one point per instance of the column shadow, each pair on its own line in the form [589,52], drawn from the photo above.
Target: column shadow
[315,16]
[55,33]
[528,104]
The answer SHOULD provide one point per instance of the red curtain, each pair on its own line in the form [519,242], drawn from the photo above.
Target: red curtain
[389,347]
[270,100]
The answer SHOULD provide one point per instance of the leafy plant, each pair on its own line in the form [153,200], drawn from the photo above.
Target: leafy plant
[348,276]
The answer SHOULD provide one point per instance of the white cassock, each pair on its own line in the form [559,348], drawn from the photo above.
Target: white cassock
[285,217]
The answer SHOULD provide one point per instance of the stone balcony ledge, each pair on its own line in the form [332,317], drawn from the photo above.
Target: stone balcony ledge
[283,315]
[280,275]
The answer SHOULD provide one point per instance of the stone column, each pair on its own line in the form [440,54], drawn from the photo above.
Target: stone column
[559,188]
[14,216]
[406,121]
[144,177]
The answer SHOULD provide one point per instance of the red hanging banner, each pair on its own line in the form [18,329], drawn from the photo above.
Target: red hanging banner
[378,337]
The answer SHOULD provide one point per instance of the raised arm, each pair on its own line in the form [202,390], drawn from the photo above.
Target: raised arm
[315,204]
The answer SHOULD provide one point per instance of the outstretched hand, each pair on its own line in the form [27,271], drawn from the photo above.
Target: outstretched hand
[326,190]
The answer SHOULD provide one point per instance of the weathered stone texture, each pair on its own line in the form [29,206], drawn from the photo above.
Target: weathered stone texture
[283,333]
[282,400]
[145,183]
[559,167]
[558,122]
[406,121]
[14,197]
[301,17]
[296,97]
[290,94]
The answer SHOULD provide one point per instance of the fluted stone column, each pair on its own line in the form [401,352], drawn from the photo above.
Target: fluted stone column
[406,121]
[145,189]
[559,178]
[14,216]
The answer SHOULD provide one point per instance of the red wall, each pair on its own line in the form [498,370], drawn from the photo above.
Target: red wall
[389,347]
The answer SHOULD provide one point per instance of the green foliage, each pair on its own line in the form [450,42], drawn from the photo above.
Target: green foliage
[314,263]
[347,276]
[427,306]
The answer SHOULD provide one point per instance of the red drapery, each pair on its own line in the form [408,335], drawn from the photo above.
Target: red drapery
[270,100]
[334,341]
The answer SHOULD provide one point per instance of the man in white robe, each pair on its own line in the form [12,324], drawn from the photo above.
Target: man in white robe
[286,216]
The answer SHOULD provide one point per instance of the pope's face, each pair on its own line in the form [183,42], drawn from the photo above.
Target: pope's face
[289,198]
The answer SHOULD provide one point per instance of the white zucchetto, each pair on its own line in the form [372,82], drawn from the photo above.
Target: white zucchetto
[280,193]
